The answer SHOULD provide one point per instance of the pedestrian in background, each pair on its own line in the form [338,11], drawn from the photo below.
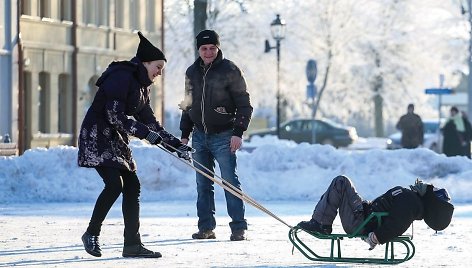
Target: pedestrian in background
[123,92]
[412,129]
[217,110]
[468,134]
[457,133]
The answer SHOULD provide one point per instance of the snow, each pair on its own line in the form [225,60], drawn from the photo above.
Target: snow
[46,202]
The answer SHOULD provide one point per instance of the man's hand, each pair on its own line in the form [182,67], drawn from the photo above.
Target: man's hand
[371,239]
[184,141]
[236,143]
[183,152]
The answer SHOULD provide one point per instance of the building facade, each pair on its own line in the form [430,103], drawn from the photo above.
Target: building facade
[62,49]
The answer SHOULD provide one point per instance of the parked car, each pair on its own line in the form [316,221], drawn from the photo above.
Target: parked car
[300,130]
[432,138]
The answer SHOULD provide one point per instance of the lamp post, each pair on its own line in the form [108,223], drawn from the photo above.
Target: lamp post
[277,29]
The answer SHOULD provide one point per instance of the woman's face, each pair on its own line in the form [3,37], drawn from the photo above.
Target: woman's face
[154,68]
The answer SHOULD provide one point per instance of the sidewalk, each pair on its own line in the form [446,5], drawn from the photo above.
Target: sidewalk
[48,235]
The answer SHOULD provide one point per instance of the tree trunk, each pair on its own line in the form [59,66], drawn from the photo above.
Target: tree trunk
[378,99]
[199,18]
[378,109]
[323,85]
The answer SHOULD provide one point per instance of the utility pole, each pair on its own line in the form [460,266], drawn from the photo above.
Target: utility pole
[469,84]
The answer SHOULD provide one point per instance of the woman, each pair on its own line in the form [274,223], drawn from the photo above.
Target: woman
[104,142]
[456,134]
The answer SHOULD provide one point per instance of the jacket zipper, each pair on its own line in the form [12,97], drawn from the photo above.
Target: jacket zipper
[203,98]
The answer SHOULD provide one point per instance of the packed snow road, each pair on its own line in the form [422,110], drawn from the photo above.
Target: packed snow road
[48,235]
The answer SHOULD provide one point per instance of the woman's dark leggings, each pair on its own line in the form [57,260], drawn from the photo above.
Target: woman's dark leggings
[116,182]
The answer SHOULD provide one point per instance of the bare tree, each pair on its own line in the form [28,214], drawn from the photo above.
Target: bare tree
[374,56]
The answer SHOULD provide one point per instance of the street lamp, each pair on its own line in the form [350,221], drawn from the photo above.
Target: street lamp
[277,29]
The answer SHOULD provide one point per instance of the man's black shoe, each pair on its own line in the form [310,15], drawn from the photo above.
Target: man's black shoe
[238,235]
[314,226]
[139,251]
[208,234]
[91,244]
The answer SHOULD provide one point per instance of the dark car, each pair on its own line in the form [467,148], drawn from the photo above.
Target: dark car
[301,130]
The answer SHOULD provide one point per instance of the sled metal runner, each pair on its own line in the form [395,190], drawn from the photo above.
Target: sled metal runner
[336,254]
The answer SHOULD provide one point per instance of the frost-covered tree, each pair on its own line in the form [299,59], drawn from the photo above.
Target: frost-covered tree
[366,49]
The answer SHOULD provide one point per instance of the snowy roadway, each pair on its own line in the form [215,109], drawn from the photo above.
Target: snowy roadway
[48,235]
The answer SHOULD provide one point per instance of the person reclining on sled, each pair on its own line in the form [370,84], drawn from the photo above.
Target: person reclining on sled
[421,201]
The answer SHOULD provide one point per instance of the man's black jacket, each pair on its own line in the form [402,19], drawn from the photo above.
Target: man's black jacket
[216,98]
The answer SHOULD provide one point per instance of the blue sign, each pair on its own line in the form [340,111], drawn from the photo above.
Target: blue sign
[311,71]
[439,91]
[311,91]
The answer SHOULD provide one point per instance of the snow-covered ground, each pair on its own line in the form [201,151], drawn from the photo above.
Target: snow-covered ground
[46,202]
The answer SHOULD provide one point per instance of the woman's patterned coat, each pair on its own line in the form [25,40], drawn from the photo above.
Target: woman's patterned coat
[104,136]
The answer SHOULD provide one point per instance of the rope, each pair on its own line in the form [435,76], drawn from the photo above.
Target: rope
[223,183]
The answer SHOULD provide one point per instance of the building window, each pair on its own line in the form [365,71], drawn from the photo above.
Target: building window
[150,15]
[102,14]
[44,8]
[96,12]
[65,104]
[26,7]
[134,14]
[44,102]
[65,10]
[119,14]
[89,11]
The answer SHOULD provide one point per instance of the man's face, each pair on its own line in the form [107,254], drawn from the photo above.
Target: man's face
[208,53]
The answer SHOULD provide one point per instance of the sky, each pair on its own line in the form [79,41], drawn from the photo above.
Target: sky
[46,202]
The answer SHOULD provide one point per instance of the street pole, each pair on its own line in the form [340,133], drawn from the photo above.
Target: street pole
[277,29]
[311,72]
[469,87]
[278,88]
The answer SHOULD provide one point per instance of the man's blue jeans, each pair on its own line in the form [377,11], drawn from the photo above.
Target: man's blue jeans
[208,148]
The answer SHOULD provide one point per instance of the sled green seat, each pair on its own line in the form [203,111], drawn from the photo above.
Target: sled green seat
[389,256]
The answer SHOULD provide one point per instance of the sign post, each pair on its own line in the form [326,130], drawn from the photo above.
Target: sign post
[311,72]
[439,91]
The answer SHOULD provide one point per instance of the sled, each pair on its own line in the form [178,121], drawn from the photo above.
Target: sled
[389,258]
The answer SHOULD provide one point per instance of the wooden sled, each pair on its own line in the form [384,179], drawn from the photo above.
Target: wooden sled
[389,258]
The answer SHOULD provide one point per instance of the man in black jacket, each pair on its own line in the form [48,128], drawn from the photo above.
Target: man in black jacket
[217,109]
[421,201]
[412,128]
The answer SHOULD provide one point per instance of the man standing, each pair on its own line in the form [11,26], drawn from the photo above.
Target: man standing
[217,109]
[411,127]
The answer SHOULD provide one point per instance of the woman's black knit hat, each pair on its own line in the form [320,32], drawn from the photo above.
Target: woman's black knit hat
[148,52]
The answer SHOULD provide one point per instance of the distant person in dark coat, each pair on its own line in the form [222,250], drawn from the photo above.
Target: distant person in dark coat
[411,127]
[123,92]
[421,201]
[457,133]
[468,135]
